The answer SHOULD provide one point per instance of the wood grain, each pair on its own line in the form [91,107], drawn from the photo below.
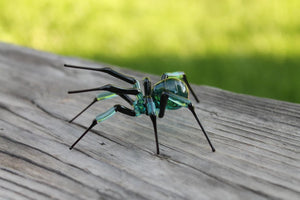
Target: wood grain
[257,140]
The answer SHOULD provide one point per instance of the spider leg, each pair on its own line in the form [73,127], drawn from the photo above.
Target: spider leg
[151,108]
[182,76]
[184,102]
[163,104]
[153,119]
[107,70]
[191,108]
[110,88]
[104,116]
[94,123]
[103,96]
[190,88]
[94,101]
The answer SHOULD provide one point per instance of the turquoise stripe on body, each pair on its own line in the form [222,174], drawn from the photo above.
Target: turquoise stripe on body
[175,74]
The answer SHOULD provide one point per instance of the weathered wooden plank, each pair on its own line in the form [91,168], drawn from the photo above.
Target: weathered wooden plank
[257,140]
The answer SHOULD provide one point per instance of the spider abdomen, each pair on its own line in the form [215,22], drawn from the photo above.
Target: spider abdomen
[172,85]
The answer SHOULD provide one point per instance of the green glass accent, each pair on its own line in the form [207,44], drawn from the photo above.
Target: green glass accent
[138,104]
[178,75]
[139,107]
[106,115]
[151,108]
[182,102]
[137,85]
[172,85]
[105,95]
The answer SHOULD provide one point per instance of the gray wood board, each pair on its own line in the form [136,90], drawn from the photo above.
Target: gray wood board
[257,140]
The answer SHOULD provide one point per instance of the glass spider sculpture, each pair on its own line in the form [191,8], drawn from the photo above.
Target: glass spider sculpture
[170,93]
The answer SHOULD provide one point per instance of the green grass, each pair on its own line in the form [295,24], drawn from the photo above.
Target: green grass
[246,46]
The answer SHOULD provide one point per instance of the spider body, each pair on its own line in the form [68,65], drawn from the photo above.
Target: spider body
[171,85]
[143,105]
[170,93]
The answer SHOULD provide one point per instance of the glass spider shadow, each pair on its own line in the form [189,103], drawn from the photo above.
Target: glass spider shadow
[170,93]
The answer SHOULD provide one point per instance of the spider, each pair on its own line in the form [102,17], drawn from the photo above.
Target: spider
[170,93]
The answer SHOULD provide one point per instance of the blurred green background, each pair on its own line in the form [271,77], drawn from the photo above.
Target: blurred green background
[246,46]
